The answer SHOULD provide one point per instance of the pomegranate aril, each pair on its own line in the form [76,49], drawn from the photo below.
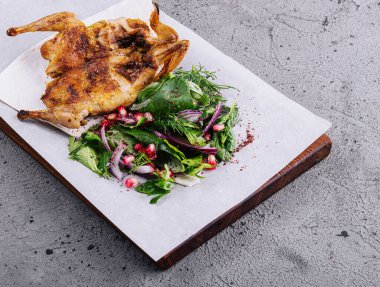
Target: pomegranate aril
[218,127]
[207,137]
[128,159]
[149,116]
[151,151]
[138,147]
[131,182]
[122,111]
[138,116]
[105,123]
[211,160]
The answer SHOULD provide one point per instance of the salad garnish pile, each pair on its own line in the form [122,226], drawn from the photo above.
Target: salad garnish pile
[178,127]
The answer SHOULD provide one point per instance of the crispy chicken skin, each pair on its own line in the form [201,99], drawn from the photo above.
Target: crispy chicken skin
[97,68]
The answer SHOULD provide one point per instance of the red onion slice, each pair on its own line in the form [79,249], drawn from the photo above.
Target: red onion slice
[144,169]
[103,137]
[206,150]
[216,114]
[190,115]
[115,160]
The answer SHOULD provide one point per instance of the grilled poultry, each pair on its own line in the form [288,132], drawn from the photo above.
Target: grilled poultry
[100,67]
[75,44]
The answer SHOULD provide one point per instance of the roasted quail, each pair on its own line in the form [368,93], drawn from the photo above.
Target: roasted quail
[100,67]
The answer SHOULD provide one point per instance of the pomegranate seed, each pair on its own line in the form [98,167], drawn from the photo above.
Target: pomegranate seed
[138,147]
[151,151]
[111,117]
[128,159]
[131,182]
[218,127]
[105,123]
[138,116]
[122,111]
[207,137]
[211,160]
[148,116]
[171,173]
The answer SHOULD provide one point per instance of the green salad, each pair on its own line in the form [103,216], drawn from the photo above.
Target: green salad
[178,127]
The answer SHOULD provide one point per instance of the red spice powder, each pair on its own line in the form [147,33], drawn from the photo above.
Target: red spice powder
[248,140]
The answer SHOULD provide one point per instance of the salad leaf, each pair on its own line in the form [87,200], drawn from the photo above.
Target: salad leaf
[143,136]
[172,96]
[104,159]
[116,135]
[195,165]
[225,140]
[74,145]
[158,187]
[198,95]
[178,125]
[88,157]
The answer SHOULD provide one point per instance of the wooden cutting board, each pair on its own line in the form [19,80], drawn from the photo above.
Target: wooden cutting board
[316,152]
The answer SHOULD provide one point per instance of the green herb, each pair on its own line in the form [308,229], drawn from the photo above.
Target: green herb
[224,140]
[158,187]
[204,79]
[182,127]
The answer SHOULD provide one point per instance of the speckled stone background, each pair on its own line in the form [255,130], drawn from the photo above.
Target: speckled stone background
[321,230]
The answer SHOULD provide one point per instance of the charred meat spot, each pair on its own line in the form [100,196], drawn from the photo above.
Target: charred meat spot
[131,70]
[54,101]
[72,92]
[95,71]
[83,43]
[136,40]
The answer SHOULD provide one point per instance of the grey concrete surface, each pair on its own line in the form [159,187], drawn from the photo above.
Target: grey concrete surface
[321,230]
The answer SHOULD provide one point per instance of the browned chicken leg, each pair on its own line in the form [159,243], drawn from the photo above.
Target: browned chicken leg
[107,77]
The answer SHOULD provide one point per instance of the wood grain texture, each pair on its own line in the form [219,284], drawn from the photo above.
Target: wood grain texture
[316,152]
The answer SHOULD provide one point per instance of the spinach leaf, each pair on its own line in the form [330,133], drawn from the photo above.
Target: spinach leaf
[172,96]
[117,135]
[143,136]
[88,157]
[104,158]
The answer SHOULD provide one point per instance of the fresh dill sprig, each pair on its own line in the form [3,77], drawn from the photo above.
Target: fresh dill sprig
[203,78]
[181,127]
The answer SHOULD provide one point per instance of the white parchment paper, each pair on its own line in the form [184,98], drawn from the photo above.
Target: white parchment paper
[282,129]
